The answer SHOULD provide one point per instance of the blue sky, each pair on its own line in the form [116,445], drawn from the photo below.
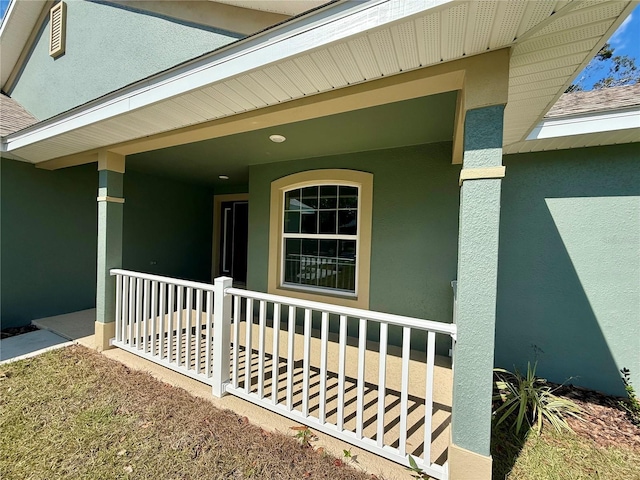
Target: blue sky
[625,41]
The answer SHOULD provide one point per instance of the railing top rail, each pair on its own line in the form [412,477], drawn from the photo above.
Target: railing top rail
[417,323]
[158,278]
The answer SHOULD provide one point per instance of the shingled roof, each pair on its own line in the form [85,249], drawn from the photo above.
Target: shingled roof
[13,116]
[595,101]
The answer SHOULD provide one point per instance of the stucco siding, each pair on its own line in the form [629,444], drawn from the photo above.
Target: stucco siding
[569,265]
[414,232]
[48,241]
[168,227]
[107,47]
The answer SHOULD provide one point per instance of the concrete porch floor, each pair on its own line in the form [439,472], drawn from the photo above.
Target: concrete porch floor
[79,327]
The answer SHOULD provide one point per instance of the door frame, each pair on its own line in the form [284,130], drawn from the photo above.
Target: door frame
[218,200]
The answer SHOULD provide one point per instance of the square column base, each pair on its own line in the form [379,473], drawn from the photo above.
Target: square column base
[467,465]
[104,333]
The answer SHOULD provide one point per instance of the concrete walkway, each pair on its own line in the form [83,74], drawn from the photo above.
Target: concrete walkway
[29,345]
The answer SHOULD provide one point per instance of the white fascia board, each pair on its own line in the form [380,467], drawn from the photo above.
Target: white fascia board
[335,23]
[587,123]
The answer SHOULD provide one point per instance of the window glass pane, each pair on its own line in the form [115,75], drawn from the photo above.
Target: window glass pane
[309,270]
[328,196]
[292,248]
[346,276]
[309,222]
[328,248]
[292,271]
[292,200]
[292,222]
[327,274]
[309,198]
[347,249]
[347,222]
[348,197]
[328,221]
[309,247]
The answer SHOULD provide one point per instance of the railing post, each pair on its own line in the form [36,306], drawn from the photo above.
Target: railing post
[221,335]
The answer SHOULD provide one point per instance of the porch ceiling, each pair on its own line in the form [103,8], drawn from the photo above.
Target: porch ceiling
[411,122]
[341,45]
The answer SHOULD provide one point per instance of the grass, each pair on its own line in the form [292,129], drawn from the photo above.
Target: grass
[559,456]
[73,413]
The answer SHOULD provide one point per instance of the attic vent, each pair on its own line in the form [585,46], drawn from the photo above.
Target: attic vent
[58,29]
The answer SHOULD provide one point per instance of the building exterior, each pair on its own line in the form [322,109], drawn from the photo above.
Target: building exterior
[417,152]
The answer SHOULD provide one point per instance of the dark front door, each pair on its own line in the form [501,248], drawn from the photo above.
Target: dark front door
[233,242]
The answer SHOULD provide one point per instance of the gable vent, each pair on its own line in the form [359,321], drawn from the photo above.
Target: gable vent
[58,29]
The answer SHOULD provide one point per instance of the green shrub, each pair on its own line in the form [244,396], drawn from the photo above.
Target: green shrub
[527,398]
[632,405]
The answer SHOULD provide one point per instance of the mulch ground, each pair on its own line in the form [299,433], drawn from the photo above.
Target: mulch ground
[603,419]
[13,331]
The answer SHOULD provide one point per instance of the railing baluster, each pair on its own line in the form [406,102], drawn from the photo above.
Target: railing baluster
[162,318]
[178,338]
[306,360]
[382,382]
[119,308]
[198,334]
[207,346]
[261,333]
[275,359]
[154,315]
[237,306]
[248,352]
[290,355]
[342,355]
[132,310]
[404,389]
[189,322]
[125,308]
[145,315]
[362,348]
[428,402]
[170,323]
[138,311]
[324,334]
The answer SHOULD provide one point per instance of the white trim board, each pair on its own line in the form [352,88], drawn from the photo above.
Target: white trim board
[589,123]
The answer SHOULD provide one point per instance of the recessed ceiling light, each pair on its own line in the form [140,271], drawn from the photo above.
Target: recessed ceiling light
[223,177]
[277,138]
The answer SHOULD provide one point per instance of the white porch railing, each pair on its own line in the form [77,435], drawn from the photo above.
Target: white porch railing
[167,321]
[295,357]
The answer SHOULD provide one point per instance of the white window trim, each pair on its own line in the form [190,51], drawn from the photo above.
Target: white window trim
[320,236]
[276,284]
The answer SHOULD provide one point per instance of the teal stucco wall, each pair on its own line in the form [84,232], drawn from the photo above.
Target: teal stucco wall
[414,232]
[108,46]
[168,227]
[569,265]
[48,241]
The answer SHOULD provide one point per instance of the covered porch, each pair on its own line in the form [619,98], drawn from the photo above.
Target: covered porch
[366,354]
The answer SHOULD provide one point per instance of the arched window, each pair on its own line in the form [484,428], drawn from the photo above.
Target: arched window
[321,234]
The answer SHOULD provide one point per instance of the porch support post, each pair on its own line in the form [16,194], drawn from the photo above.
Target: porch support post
[221,336]
[110,215]
[469,454]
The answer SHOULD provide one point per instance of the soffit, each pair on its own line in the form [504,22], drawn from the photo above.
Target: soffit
[285,7]
[358,44]
[387,126]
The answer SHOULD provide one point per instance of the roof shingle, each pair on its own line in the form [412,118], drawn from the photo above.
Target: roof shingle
[595,101]
[13,116]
